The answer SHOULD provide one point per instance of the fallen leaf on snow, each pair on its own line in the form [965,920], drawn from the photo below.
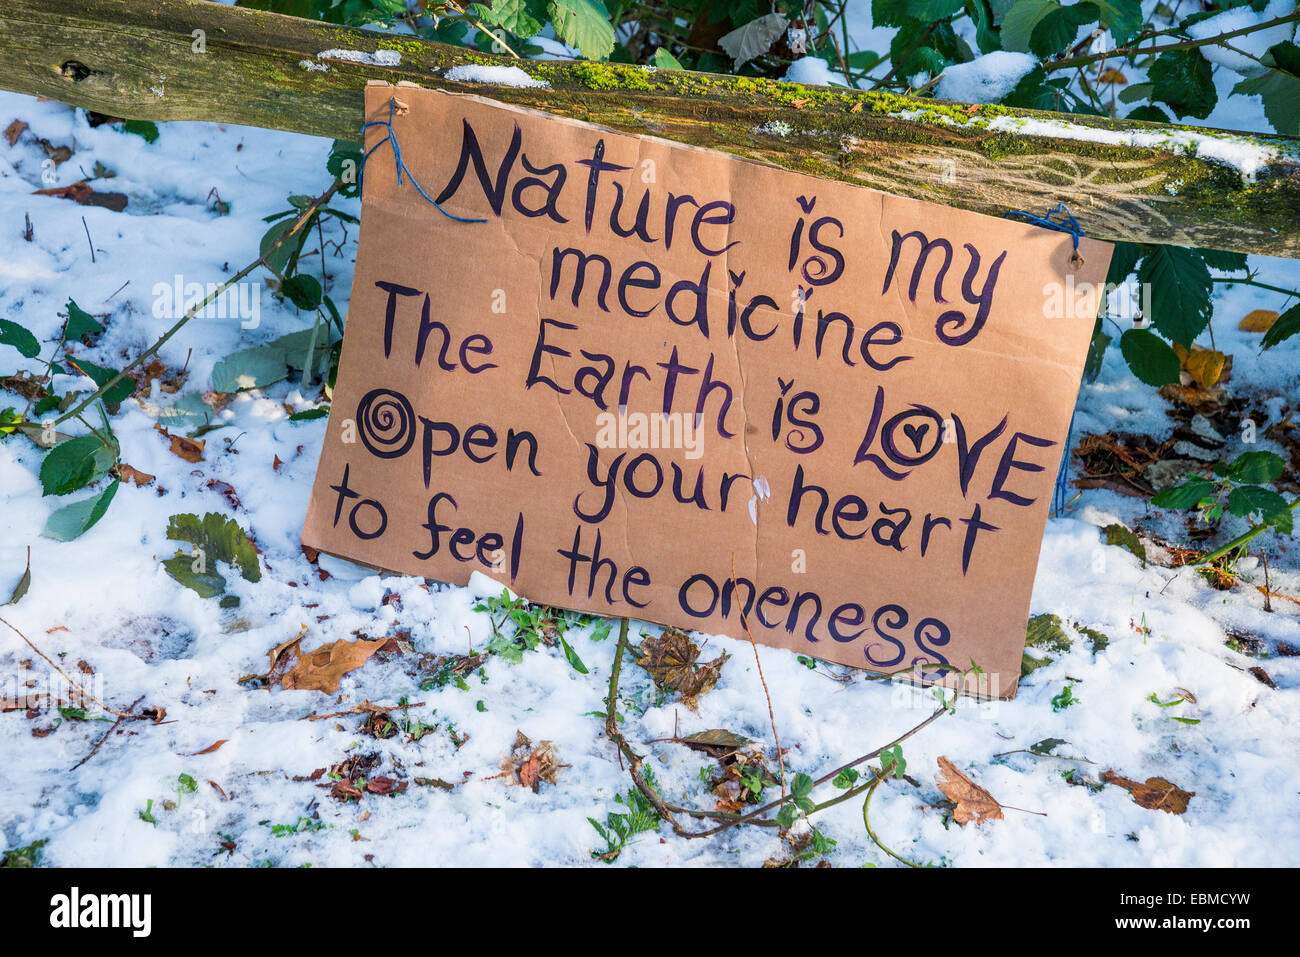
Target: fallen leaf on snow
[323,668]
[529,766]
[191,450]
[214,746]
[128,474]
[14,130]
[671,661]
[1157,794]
[973,802]
[1258,320]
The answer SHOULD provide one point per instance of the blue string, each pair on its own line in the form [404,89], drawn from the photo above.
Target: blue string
[401,164]
[1065,224]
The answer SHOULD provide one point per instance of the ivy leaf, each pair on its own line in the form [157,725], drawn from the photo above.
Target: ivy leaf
[80,324]
[1255,467]
[72,520]
[1181,78]
[1286,326]
[583,24]
[1188,495]
[1150,357]
[1272,508]
[75,464]
[1180,291]
[12,334]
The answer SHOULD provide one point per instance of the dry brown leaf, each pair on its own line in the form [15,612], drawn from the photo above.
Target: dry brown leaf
[322,669]
[973,802]
[1258,320]
[191,450]
[14,130]
[128,474]
[671,660]
[1112,76]
[214,746]
[1158,794]
[529,766]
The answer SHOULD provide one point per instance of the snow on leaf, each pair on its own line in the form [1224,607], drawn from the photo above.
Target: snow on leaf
[72,520]
[220,539]
[753,39]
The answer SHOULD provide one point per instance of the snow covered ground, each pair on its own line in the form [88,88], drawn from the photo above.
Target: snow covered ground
[106,600]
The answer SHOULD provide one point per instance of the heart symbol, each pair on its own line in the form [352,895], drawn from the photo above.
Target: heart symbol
[916,433]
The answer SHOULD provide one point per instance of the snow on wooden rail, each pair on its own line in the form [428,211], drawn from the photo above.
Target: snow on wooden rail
[195,60]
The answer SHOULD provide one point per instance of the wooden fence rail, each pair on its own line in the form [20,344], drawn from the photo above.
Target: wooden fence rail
[195,60]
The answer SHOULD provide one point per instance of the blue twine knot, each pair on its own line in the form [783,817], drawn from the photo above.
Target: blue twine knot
[1065,224]
[400,163]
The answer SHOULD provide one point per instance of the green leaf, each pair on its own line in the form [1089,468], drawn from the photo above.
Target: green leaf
[892,13]
[1270,506]
[1057,28]
[72,520]
[1286,326]
[220,538]
[1123,18]
[1149,113]
[1191,493]
[664,60]
[1150,357]
[845,779]
[1285,56]
[308,414]
[101,375]
[523,18]
[1096,352]
[1126,538]
[1181,78]
[1281,97]
[1223,260]
[302,290]
[1255,467]
[1019,22]
[1180,291]
[207,584]
[142,128]
[1123,261]
[12,334]
[583,24]
[277,260]
[1046,746]
[801,786]
[76,463]
[572,656]
[262,365]
[80,323]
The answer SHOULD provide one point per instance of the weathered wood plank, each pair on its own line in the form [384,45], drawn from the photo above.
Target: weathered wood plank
[140,60]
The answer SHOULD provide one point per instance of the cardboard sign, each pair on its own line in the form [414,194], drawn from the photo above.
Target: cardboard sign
[660,382]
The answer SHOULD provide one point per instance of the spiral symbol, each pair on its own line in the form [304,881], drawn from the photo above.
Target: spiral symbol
[386,422]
